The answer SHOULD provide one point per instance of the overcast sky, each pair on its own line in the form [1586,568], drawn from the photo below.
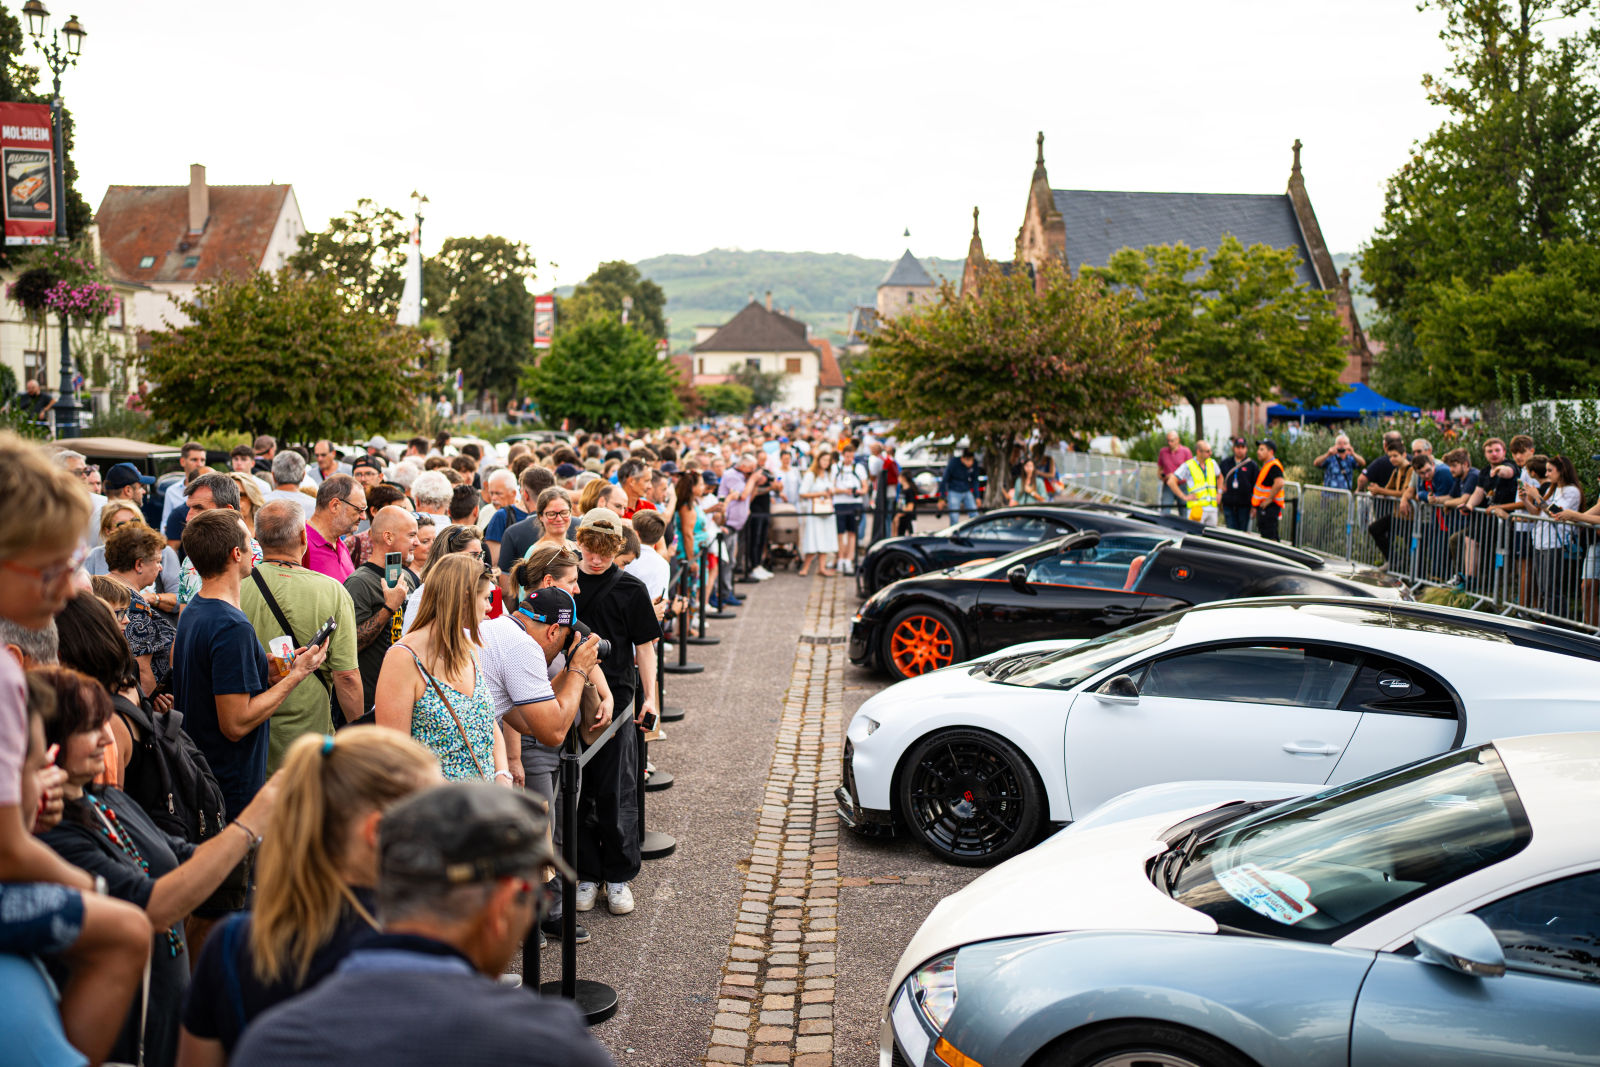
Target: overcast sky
[623,129]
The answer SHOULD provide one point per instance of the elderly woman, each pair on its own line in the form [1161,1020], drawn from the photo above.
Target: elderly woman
[133,555]
[162,583]
[106,833]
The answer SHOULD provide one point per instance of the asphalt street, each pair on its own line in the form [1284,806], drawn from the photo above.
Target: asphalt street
[665,959]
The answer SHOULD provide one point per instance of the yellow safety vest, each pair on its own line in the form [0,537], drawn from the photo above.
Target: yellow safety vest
[1203,486]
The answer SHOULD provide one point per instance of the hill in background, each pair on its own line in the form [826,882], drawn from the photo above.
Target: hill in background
[819,287]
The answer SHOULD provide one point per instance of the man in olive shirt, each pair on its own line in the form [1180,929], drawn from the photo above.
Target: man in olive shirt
[377,603]
[306,599]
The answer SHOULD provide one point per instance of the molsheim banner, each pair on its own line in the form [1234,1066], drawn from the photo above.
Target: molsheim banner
[29,168]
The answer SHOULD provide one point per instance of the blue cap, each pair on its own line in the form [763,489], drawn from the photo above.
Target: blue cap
[123,475]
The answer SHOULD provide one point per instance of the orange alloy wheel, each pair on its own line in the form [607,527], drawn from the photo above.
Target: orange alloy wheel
[921,643]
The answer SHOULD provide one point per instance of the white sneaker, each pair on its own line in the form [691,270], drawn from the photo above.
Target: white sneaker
[760,574]
[586,895]
[847,567]
[619,898]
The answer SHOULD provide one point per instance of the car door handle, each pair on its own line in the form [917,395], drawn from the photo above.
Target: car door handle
[1310,748]
[1116,609]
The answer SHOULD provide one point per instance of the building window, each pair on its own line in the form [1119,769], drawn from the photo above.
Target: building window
[191,261]
[791,365]
[702,365]
[911,298]
[33,367]
[754,362]
[146,262]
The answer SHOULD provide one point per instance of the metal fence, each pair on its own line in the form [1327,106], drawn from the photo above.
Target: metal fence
[1529,565]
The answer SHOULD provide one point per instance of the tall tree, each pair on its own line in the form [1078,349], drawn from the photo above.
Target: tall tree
[1514,167]
[1068,358]
[599,373]
[605,289]
[20,83]
[1236,326]
[284,354]
[365,252]
[478,286]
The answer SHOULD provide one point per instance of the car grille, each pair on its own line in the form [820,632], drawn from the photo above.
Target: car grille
[849,773]
[898,1060]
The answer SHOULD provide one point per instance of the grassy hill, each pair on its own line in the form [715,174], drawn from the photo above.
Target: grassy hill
[819,287]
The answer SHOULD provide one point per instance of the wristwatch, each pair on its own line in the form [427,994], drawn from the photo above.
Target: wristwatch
[100,884]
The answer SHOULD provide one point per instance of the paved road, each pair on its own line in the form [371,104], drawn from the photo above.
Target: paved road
[723,957]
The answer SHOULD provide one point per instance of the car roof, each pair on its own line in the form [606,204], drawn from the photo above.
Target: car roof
[117,447]
[1557,778]
[1353,618]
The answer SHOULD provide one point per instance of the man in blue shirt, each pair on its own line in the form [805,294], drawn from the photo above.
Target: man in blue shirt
[1340,464]
[221,680]
[961,486]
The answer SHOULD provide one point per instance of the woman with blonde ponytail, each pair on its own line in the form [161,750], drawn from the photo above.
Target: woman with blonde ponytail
[315,877]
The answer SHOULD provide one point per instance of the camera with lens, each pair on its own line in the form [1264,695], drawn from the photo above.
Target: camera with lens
[603,649]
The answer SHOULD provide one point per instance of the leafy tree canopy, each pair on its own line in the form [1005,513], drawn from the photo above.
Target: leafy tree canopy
[765,387]
[478,286]
[1068,359]
[282,354]
[365,251]
[599,373]
[1515,167]
[726,399]
[1237,326]
[602,293]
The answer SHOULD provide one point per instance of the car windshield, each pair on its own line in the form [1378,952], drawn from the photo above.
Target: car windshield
[1316,868]
[1070,666]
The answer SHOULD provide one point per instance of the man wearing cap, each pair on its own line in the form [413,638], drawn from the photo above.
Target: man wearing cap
[1238,481]
[617,605]
[266,447]
[368,470]
[378,446]
[459,873]
[1266,496]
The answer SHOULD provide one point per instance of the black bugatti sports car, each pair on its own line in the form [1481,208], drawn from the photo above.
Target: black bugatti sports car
[1082,585]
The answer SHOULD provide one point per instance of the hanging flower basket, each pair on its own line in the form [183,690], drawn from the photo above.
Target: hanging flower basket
[32,288]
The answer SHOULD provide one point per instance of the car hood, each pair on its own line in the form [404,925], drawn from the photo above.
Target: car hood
[956,682]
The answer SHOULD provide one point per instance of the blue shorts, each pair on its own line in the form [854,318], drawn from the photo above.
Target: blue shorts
[39,917]
[847,518]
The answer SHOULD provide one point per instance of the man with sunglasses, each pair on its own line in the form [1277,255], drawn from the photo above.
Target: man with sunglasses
[459,873]
[79,467]
[341,505]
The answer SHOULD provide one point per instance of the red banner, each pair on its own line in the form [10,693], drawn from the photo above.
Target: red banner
[28,163]
[544,320]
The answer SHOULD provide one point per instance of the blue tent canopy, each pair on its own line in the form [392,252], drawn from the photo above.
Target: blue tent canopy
[1356,404]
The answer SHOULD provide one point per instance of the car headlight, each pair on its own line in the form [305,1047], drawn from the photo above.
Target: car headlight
[871,725]
[933,990]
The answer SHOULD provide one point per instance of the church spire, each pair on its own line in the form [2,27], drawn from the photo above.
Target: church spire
[1296,148]
[1038,159]
[975,258]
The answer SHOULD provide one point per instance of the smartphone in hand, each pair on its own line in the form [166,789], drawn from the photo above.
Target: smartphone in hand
[648,722]
[391,569]
[326,632]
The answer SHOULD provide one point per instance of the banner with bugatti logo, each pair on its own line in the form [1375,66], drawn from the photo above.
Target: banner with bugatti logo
[28,163]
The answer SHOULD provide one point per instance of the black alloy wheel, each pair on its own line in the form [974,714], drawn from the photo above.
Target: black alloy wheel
[893,567]
[1142,1044]
[972,798]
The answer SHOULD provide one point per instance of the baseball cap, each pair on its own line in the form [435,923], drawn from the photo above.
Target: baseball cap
[1269,442]
[123,475]
[593,465]
[568,470]
[368,461]
[551,605]
[464,832]
[602,519]
[1238,442]
[378,441]
[709,477]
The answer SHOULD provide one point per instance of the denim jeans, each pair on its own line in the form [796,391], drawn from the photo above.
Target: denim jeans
[1236,516]
[962,503]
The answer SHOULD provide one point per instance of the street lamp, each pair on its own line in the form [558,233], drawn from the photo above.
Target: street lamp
[61,51]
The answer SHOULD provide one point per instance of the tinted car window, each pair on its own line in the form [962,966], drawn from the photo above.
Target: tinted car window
[1382,685]
[1552,929]
[1104,565]
[1317,867]
[1254,674]
[1012,528]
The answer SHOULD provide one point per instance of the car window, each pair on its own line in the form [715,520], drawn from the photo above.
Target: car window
[1307,677]
[1011,528]
[1104,565]
[1317,867]
[1552,929]
[1386,686]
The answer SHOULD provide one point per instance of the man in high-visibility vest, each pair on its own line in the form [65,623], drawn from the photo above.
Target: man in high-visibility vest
[1195,483]
[1267,497]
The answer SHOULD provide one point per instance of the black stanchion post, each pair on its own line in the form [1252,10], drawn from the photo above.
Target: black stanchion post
[669,712]
[657,780]
[683,666]
[596,1000]
[653,845]
[720,613]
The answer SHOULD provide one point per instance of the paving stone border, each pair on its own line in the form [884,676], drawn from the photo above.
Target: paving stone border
[775,999]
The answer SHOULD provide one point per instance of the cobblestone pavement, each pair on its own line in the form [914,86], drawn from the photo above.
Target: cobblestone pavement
[768,937]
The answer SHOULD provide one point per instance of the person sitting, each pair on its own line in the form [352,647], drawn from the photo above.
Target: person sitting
[316,879]
[459,872]
[106,833]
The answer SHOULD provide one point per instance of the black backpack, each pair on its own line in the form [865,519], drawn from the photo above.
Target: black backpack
[169,776]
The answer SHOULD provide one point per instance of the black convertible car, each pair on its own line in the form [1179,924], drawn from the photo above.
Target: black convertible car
[1081,585]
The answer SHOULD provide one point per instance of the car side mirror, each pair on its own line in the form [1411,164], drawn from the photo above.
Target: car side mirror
[1018,577]
[1118,689]
[961,539]
[1461,943]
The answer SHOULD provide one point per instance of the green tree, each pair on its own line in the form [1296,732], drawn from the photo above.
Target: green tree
[765,387]
[600,373]
[20,83]
[1514,167]
[1237,326]
[726,399]
[603,292]
[284,354]
[1069,359]
[478,286]
[365,251]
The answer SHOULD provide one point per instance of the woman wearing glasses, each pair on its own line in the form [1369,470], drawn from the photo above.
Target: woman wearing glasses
[160,586]
[554,508]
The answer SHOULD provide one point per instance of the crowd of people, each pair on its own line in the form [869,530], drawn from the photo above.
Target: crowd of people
[293,747]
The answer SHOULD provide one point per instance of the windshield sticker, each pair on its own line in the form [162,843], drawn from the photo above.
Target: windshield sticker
[1279,896]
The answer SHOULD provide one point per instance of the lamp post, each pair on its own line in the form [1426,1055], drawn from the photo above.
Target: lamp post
[60,52]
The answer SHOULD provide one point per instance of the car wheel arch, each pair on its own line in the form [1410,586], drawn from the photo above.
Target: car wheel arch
[1056,812]
[1055,1053]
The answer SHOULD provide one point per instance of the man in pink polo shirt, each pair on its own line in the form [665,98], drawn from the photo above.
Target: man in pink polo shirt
[341,502]
[1172,455]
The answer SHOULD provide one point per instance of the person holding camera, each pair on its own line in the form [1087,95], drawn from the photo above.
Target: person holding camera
[1339,464]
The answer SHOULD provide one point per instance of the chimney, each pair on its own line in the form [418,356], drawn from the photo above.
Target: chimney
[199,198]
[769,299]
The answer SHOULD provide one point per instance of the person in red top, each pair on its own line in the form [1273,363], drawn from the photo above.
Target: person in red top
[341,505]
[1172,455]
[634,478]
